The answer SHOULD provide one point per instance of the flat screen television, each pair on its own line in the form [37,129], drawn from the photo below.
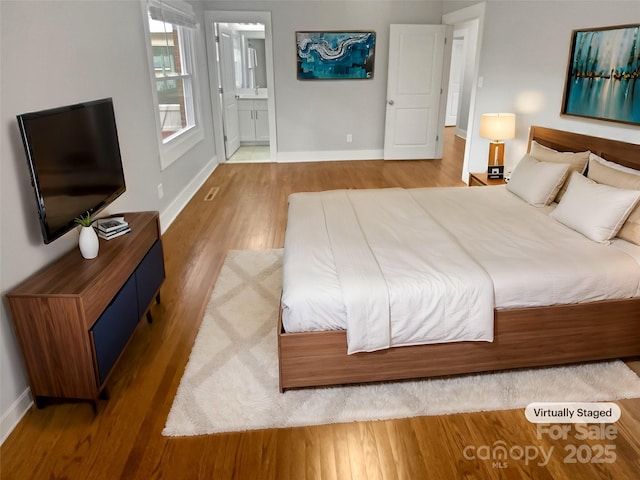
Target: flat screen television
[74,161]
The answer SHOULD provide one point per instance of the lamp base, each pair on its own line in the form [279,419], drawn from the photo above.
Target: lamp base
[496,153]
[495,167]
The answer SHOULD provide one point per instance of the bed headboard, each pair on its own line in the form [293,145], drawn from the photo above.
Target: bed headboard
[627,154]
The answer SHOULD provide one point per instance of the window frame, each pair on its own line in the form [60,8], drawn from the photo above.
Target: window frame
[174,146]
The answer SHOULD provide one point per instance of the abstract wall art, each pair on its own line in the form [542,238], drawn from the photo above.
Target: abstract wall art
[603,74]
[335,55]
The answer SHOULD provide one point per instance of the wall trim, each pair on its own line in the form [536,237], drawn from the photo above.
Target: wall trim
[329,156]
[169,214]
[461,133]
[14,414]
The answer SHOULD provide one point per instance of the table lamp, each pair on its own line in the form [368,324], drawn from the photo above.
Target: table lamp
[497,127]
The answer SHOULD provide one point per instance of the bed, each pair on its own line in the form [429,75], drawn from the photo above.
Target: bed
[527,329]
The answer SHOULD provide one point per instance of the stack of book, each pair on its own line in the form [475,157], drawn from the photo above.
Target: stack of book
[112,227]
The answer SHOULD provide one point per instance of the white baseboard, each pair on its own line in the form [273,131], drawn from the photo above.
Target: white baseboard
[329,156]
[14,414]
[461,133]
[169,214]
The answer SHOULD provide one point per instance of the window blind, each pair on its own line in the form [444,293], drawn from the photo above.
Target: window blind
[175,12]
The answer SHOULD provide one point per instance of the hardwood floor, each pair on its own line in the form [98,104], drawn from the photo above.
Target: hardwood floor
[249,212]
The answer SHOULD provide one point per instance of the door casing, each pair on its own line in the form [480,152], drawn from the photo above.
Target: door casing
[211,18]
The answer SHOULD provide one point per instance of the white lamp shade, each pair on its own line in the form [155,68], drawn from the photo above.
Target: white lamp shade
[498,126]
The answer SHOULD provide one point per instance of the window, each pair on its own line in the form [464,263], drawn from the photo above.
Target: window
[172,40]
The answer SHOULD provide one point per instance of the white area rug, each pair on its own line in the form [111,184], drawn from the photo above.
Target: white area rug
[231,380]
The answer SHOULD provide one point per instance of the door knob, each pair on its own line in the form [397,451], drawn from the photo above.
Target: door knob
[390,102]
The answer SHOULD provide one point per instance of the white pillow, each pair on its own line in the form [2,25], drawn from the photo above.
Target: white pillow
[616,166]
[537,183]
[577,160]
[595,210]
[615,175]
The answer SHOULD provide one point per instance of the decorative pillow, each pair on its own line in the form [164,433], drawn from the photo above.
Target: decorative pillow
[537,183]
[577,160]
[609,173]
[595,210]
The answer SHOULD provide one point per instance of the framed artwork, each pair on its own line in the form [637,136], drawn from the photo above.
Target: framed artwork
[603,74]
[335,55]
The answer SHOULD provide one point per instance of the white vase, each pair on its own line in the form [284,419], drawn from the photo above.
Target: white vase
[88,242]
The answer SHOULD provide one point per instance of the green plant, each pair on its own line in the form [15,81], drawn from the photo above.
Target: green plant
[85,220]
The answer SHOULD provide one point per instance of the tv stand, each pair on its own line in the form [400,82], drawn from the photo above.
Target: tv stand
[74,317]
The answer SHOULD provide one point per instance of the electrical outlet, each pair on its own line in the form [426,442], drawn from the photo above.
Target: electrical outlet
[160,191]
[349,138]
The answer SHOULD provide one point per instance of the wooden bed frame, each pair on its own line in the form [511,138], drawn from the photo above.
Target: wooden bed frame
[523,337]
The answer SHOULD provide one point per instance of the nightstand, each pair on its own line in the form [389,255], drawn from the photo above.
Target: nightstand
[481,180]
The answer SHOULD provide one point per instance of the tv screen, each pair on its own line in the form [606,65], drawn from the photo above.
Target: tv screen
[74,161]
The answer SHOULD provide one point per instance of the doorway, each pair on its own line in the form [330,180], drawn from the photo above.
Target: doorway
[456,77]
[468,24]
[463,56]
[240,62]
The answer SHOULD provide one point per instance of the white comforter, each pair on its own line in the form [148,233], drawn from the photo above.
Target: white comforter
[432,263]
[403,279]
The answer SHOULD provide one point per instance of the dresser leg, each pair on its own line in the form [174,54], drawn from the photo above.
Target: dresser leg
[104,394]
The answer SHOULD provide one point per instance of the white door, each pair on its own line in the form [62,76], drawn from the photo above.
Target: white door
[455,81]
[414,88]
[228,95]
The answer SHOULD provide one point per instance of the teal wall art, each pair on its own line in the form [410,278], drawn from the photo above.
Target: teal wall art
[603,74]
[335,55]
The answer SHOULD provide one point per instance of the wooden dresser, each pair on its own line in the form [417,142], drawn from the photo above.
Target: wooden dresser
[74,317]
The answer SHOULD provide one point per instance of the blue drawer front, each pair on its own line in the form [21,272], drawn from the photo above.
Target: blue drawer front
[114,327]
[149,276]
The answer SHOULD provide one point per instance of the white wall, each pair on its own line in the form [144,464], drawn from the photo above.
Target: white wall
[55,53]
[525,49]
[313,117]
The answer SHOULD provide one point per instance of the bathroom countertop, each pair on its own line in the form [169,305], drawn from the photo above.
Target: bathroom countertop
[252,93]
[251,96]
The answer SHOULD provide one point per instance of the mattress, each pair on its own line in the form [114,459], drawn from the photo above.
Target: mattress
[530,258]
